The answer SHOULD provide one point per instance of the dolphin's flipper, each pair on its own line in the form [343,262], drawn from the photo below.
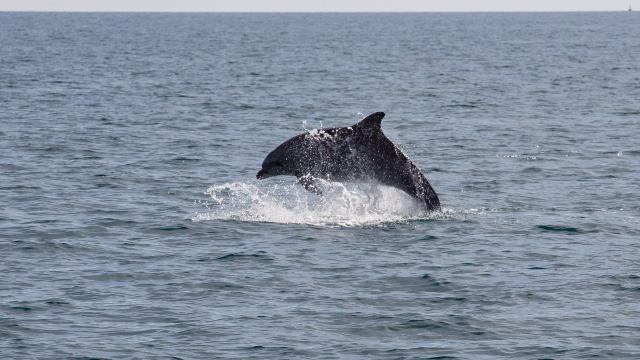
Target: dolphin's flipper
[308,182]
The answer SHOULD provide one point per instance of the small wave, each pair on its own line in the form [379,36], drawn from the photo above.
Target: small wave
[236,256]
[627,112]
[565,229]
[286,202]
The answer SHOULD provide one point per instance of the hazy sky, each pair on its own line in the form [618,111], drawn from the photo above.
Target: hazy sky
[314,5]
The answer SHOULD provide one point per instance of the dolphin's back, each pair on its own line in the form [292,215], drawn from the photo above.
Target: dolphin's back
[333,155]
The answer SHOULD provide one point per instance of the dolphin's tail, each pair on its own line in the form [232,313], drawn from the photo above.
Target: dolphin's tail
[414,183]
[426,194]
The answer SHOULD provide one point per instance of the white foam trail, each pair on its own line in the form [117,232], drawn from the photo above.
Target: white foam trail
[284,201]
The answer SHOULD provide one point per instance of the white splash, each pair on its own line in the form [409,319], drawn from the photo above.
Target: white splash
[285,201]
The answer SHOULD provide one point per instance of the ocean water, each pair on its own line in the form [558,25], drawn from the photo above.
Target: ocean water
[132,225]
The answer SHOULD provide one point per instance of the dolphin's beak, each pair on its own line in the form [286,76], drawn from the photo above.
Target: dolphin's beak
[261,174]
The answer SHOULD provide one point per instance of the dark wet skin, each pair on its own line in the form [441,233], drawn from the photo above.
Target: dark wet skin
[357,153]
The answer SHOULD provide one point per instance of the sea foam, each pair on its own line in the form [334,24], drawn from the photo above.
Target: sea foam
[285,201]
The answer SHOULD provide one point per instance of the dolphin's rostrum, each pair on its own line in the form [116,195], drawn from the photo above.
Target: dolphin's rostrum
[355,153]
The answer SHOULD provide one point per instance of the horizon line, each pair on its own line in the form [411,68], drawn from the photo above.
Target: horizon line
[309,11]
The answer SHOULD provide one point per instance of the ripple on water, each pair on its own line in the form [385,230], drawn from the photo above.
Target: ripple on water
[458,327]
[569,230]
[262,256]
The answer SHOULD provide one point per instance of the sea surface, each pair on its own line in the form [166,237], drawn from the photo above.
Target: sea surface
[132,224]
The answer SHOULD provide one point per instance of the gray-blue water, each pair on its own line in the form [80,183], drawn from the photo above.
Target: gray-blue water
[132,225]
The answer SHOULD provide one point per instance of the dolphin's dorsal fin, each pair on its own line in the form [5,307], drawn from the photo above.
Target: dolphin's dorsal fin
[372,121]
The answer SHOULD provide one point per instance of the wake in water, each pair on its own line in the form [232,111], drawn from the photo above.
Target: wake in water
[341,204]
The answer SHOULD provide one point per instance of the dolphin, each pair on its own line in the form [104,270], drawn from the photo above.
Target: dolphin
[355,153]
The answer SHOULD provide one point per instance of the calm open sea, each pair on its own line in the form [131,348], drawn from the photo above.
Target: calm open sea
[132,225]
